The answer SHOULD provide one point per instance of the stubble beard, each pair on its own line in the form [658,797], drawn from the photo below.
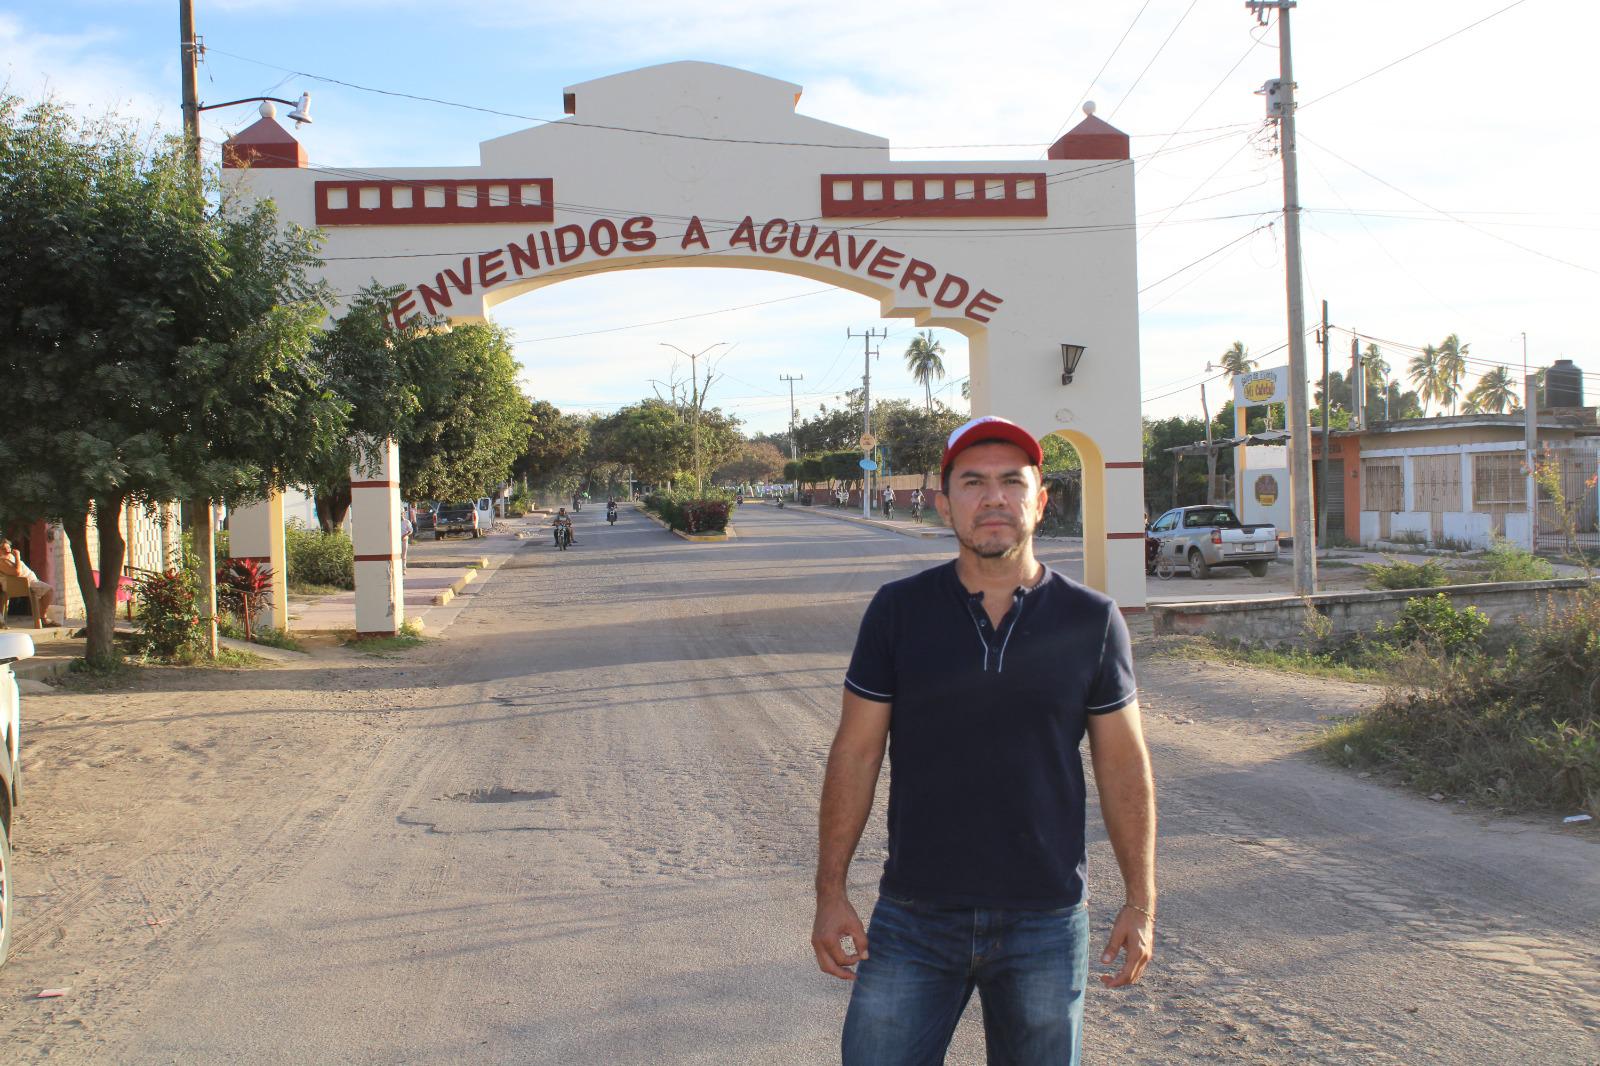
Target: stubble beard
[992,550]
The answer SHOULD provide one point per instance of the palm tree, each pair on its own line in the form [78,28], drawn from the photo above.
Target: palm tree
[1236,362]
[1424,373]
[924,362]
[1452,368]
[1496,391]
[1375,369]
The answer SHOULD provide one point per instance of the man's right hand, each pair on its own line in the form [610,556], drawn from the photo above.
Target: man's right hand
[836,920]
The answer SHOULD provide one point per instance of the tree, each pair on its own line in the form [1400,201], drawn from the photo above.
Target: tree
[1059,455]
[829,431]
[1374,367]
[924,358]
[155,344]
[650,436]
[1236,362]
[472,421]
[1496,391]
[558,444]
[1424,372]
[754,461]
[1452,368]
[914,439]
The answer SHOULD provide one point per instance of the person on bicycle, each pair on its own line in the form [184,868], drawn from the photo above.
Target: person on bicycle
[563,521]
[916,505]
[888,502]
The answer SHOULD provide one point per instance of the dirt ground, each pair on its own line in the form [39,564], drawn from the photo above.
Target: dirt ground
[579,828]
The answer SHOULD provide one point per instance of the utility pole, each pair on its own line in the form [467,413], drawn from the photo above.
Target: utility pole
[204,512]
[1305,554]
[867,352]
[1358,385]
[1327,431]
[1211,453]
[696,395]
[794,449]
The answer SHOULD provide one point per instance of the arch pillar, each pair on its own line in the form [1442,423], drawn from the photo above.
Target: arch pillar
[375,532]
[1113,522]
[255,531]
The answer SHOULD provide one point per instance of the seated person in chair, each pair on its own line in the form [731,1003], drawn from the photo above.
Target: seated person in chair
[11,565]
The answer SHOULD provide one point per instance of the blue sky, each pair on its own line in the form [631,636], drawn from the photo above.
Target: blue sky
[1449,193]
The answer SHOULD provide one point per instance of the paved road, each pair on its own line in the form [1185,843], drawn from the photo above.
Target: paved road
[590,841]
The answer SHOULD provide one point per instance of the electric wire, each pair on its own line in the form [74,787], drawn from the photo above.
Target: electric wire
[1162,48]
[1087,89]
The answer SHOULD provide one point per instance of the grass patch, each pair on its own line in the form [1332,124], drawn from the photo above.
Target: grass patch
[308,588]
[266,636]
[81,675]
[410,636]
[1371,668]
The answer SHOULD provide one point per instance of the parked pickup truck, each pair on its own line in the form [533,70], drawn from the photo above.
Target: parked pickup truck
[456,518]
[1208,535]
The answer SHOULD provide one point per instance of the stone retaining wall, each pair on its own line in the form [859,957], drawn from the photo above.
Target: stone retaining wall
[1282,620]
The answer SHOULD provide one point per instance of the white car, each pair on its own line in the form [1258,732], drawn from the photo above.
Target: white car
[13,646]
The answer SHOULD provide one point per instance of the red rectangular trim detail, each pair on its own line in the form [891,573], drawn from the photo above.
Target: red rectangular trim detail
[1125,536]
[1135,464]
[1021,195]
[1134,610]
[376,558]
[372,484]
[460,201]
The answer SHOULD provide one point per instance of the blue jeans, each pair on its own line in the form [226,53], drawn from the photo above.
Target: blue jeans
[1029,968]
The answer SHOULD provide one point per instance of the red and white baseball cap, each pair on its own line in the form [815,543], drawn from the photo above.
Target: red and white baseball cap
[986,429]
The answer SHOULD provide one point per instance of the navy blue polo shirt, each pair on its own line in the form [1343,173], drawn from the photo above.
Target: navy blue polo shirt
[986,787]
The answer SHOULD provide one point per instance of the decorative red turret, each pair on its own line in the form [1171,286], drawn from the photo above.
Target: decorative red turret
[265,144]
[1092,138]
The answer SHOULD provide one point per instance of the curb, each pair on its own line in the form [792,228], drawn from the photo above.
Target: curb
[917,533]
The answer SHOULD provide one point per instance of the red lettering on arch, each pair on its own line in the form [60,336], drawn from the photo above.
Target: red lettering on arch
[435,297]
[463,280]
[984,301]
[885,263]
[857,258]
[568,251]
[695,233]
[638,233]
[491,268]
[944,298]
[919,274]
[524,257]
[744,233]
[402,303]
[794,242]
[606,230]
[766,234]
[830,248]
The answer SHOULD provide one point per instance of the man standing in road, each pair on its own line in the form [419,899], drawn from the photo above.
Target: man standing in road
[986,672]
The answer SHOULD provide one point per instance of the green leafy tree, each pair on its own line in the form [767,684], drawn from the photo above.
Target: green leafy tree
[914,438]
[472,420]
[1374,367]
[829,430]
[925,360]
[1237,362]
[1425,373]
[558,445]
[754,461]
[1059,455]
[650,436]
[156,343]
[1452,368]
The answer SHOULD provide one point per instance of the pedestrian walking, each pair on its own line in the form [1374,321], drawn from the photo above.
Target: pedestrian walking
[985,672]
[408,529]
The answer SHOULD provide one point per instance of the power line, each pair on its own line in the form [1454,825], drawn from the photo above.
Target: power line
[1163,47]
[1087,89]
[1412,55]
[1208,255]
[1254,43]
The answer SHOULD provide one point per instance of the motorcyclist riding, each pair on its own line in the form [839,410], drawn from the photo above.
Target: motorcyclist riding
[611,511]
[563,527]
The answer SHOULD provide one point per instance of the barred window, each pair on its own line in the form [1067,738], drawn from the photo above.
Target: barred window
[1383,485]
[1436,482]
[1498,481]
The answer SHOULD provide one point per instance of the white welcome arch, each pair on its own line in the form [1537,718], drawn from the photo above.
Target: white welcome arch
[699,165]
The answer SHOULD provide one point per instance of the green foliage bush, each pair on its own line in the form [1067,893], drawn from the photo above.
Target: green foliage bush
[1402,575]
[168,613]
[1436,623]
[317,558]
[689,512]
[1505,561]
[1522,730]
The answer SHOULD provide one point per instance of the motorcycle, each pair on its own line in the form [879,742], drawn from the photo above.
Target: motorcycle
[563,537]
[780,503]
[611,515]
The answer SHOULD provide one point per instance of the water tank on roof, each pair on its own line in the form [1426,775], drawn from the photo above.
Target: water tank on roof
[1563,385]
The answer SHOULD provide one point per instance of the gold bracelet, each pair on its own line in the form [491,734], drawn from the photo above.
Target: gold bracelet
[1134,906]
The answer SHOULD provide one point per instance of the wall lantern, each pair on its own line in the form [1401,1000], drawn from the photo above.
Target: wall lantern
[1071,356]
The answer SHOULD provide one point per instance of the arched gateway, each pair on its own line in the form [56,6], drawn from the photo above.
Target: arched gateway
[698,165]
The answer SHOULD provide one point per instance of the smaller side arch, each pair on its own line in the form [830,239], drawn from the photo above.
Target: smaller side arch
[1113,557]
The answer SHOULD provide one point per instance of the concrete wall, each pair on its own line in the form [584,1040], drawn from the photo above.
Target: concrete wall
[1283,621]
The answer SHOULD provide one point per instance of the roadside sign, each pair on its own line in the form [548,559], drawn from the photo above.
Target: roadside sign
[868,464]
[868,442]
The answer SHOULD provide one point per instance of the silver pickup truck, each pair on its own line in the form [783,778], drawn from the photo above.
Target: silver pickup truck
[1207,535]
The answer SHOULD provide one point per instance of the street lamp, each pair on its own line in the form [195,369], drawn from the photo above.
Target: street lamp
[300,116]
[1071,355]
[694,393]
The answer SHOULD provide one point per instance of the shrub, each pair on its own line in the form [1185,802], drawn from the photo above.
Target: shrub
[317,558]
[706,513]
[1435,622]
[1401,575]
[1505,561]
[169,613]
[243,587]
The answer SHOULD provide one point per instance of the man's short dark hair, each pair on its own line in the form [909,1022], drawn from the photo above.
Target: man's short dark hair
[944,475]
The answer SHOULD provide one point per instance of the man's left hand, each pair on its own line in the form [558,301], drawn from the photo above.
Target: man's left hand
[1133,936]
